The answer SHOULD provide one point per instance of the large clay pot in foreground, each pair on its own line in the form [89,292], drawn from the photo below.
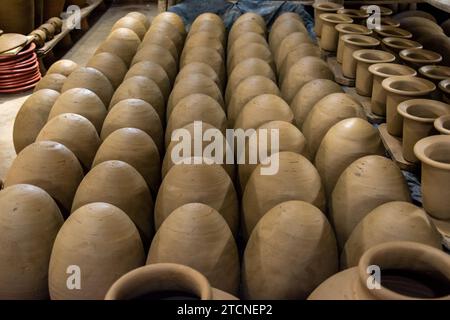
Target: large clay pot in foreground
[63,66]
[442,124]
[352,43]
[297,238]
[417,58]
[122,42]
[347,28]
[153,71]
[323,7]
[329,34]
[110,65]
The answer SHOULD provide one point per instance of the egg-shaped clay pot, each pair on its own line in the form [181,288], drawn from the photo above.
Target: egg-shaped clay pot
[283,29]
[243,27]
[160,39]
[327,112]
[172,18]
[309,95]
[203,39]
[141,17]
[301,51]
[404,15]
[305,70]
[98,243]
[32,116]
[64,67]
[251,16]
[53,81]
[196,107]
[122,42]
[197,236]
[295,179]
[345,142]
[392,221]
[289,44]
[30,220]
[251,50]
[116,182]
[211,28]
[289,139]
[83,102]
[131,23]
[245,91]
[366,184]
[246,38]
[50,166]
[153,71]
[160,55]
[142,88]
[110,65]
[134,113]
[168,30]
[295,237]
[198,67]
[207,55]
[203,183]
[75,132]
[261,109]
[285,16]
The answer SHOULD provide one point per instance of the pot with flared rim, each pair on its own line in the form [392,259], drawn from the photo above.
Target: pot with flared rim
[442,124]
[330,35]
[390,31]
[417,58]
[348,28]
[435,73]
[384,11]
[353,42]
[387,21]
[444,88]
[434,153]
[399,89]
[323,7]
[358,16]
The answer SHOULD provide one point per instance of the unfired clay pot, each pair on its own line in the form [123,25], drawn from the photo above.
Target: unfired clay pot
[122,42]
[203,39]
[323,7]
[399,89]
[418,122]
[285,16]
[434,154]
[171,18]
[390,31]
[198,67]
[64,67]
[358,16]
[352,43]
[442,124]
[282,30]
[251,50]
[160,39]
[141,17]
[417,58]
[197,236]
[160,55]
[395,45]
[31,218]
[344,29]
[290,43]
[444,88]
[366,184]
[153,71]
[301,51]
[251,16]
[131,23]
[392,221]
[246,38]
[53,81]
[296,179]
[212,28]
[110,65]
[242,27]
[103,243]
[435,73]
[207,55]
[297,238]
[168,30]
[329,34]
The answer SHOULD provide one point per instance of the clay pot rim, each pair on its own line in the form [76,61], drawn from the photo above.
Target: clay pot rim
[427,72]
[404,109]
[358,55]
[354,13]
[375,69]
[328,6]
[388,41]
[422,147]
[444,86]
[387,85]
[335,18]
[139,277]
[342,27]
[428,56]
[370,41]
[388,21]
[400,33]
[384,11]
[439,124]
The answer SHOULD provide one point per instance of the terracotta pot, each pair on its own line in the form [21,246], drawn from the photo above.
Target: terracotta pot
[153,71]
[160,39]
[381,71]
[392,32]
[53,81]
[142,88]
[160,55]
[346,28]
[309,95]
[444,88]
[384,11]
[296,179]
[442,124]
[435,73]
[417,58]
[89,233]
[392,221]
[132,24]
[32,116]
[305,70]
[246,38]
[204,39]
[352,43]
[194,226]
[207,55]
[326,113]
[110,65]
[64,67]
[297,238]
[50,166]
[329,35]
[365,58]
[122,42]
[247,89]
[243,27]
[83,102]
[395,45]
[168,30]
[282,30]
[408,271]
[251,50]
[399,89]
[165,281]
[17,16]
[172,18]
[135,113]
[289,44]
[364,185]
[198,67]
[301,51]
[323,7]
[251,16]
[33,222]
[433,153]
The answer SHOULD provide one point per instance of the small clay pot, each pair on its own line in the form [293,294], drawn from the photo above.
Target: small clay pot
[399,89]
[153,71]
[417,58]
[173,19]
[346,28]
[168,30]
[352,43]
[198,67]
[242,27]
[64,67]
[395,45]
[141,17]
[160,55]
[160,39]
[323,7]
[212,28]
[282,30]
[442,124]
[203,39]
[433,152]
[365,58]
[122,42]
[301,51]
[110,65]
[330,36]
[435,73]
[251,16]
[384,11]
[251,50]
[206,55]
[53,81]
[381,71]
[444,88]
[392,32]
[289,44]
[132,24]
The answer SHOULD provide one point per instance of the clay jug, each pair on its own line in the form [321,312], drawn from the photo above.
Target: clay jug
[17,16]
[352,43]
[282,30]
[198,67]
[64,67]
[329,34]
[153,71]
[242,27]
[31,218]
[301,51]
[346,28]
[289,44]
[52,81]
[203,39]
[417,58]
[132,24]
[395,45]
[168,30]
[197,236]
[251,50]
[295,237]
[323,7]
[160,39]
[122,42]
[442,124]
[160,55]
[207,55]
[173,19]
[141,17]
[110,65]
[102,241]
[366,184]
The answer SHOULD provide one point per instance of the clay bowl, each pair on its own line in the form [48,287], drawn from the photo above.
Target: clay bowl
[122,42]
[384,11]
[172,18]
[64,67]
[301,51]
[417,58]
[160,55]
[395,45]
[206,55]
[444,87]
[348,28]
[52,81]
[330,36]
[132,24]
[399,89]
[153,71]
[358,16]
[251,50]
[392,32]
[353,42]
[289,44]
[324,7]
[198,67]
[110,65]
[435,73]
[141,17]
[160,39]
[284,29]
[442,124]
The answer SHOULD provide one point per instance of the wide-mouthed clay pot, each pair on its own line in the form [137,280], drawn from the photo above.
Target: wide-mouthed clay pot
[418,122]
[434,153]
[197,236]
[301,51]
[305,70]
[141,17]
[295,179]
[364,185]
[444,88]
[390,31]
[110,65]
[75,132]
[295,237]
[251,16]
[160,39]
[203,39]
[381,71]
[327,112]
[173,19]
[388,21]
[116,182]
[438,43]
[198,67]
[417,58]
[242,27]
[348,28]
[122,42]
[290,43]
[352,43]
[50,166]
[435,73]
[282,30]
[168,30]
[323,7]
[165,281]
[392,221]
[64,67]
[153,71]
[32,116]
[344,143]
[251,50]
[96,245]
[83,102]
[407,271]
[206,55]
[358,16]
[246,38]
[160,55]
[329,34]
[442,124]
[53,81]
[399,89]
[395,45]
[365,58]
[131,23]
[31,218]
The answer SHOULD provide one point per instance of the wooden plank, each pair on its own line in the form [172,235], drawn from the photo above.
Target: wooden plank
[367,105]
[339,77]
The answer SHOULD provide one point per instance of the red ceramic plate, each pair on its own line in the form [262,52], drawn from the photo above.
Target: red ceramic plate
[17,63]
[19,90]
[12,61]
[5,77]
[22,70]
[28,49]
[18,79]
[21,84]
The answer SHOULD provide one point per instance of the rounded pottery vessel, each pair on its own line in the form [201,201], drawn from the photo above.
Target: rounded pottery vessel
[168,30]
[438,43]
[442,124]
[251,50]
[348,28]
[391,31]
[198,67]
[206,55]
[212,28]
[251,16]
[53,81]
[110,65]
[141,17]
[173,19]
[329,34]
[153,71]
[285,16]
[301,51]
[444,88]
[246,38]
[160,39]
[203,39]
[284,29]
[122,42]
[289,44]
[323,7]
[131,23]
[352,43]
[435,73]
[417,58]
[64,67]
[242,27]
[160,55]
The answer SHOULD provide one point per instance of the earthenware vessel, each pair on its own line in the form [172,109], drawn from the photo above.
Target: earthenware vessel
[208,17]
[417,58]
[390,31]
[290,43]
[301,51]
[207,55]
[132,24]
[168,30]
[110,65]
[282,30]
[246,38]
[442,124]
[285,16]
[384,11]
[323,7]
[64,67]
[438,43]
[251,50]
[122,42]
[171,18]
[153,71]
[160,39]
[160,55]
[53,81]
[435,73]
[444,88]
[203,39]
[329,34]
[395,45]
[346,28]
[211,28]
[243,27]
[352,43]
[141,17]
[198,67]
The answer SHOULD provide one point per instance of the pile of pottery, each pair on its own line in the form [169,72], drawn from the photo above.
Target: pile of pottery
[47,31]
